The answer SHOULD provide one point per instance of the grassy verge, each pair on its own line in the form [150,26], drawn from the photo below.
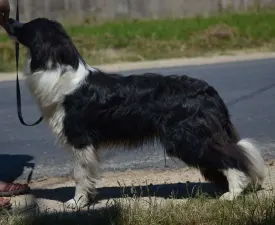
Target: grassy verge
[253,210]
[155,39]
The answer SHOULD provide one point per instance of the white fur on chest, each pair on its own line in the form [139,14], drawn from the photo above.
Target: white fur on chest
[49,89]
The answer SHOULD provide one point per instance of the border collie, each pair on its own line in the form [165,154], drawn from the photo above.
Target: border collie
[88,109]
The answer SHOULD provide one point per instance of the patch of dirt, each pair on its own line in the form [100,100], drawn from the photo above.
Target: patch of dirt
[214,34]
[220,31]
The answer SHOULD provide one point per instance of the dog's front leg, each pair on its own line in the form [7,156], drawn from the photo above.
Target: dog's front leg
[86,171]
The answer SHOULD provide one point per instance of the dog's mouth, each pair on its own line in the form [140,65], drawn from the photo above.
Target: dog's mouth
[12,27]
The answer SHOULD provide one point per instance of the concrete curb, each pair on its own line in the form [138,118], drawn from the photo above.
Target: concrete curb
[166,63]
[196,61]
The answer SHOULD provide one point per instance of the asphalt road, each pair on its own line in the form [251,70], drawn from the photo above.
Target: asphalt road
[248,89]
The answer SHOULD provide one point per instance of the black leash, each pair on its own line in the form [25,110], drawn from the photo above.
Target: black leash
[18,93]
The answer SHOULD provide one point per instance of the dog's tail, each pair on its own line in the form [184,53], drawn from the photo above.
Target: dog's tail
[248,155]
[255,164]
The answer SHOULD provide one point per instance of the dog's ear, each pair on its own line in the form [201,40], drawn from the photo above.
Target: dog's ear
[62,53]
[66,54]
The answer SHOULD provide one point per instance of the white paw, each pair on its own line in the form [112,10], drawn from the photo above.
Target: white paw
[229,196]
[77,203]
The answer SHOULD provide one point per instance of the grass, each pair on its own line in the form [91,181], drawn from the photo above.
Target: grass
[138,40]
[252,210]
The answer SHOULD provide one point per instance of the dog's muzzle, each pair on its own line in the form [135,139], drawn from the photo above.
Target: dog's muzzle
[12,26]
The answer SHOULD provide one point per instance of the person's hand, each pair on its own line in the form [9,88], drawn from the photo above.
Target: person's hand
[4,11]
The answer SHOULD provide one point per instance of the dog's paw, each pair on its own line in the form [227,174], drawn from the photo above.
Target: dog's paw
[229,196]
[77,203]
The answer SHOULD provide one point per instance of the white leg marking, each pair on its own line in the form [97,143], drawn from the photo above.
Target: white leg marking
[237,182]
[86,173]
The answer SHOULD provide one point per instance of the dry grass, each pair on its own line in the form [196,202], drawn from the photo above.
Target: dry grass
[249,210]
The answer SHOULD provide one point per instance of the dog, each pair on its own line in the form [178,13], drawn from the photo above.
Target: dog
[88,109]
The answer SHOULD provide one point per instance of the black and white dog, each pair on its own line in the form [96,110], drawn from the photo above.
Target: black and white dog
[88,109]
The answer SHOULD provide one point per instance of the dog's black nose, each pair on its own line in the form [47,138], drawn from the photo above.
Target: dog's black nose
[13,25]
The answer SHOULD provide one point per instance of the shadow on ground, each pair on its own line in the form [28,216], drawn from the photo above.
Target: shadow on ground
[178,190]
[13,166]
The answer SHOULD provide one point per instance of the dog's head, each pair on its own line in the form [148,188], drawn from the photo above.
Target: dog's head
[37,33]
[47,41]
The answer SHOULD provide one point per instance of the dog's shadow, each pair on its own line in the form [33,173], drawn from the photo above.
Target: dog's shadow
[175,191]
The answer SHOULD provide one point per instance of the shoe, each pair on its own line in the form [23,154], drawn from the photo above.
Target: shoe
[11,189]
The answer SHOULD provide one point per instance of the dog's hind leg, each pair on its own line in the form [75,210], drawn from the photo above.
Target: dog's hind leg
[252,173]
[216,177]
[217,157]
[86,173]
[237,183]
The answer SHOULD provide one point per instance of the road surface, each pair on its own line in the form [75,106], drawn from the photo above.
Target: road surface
[248,89]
